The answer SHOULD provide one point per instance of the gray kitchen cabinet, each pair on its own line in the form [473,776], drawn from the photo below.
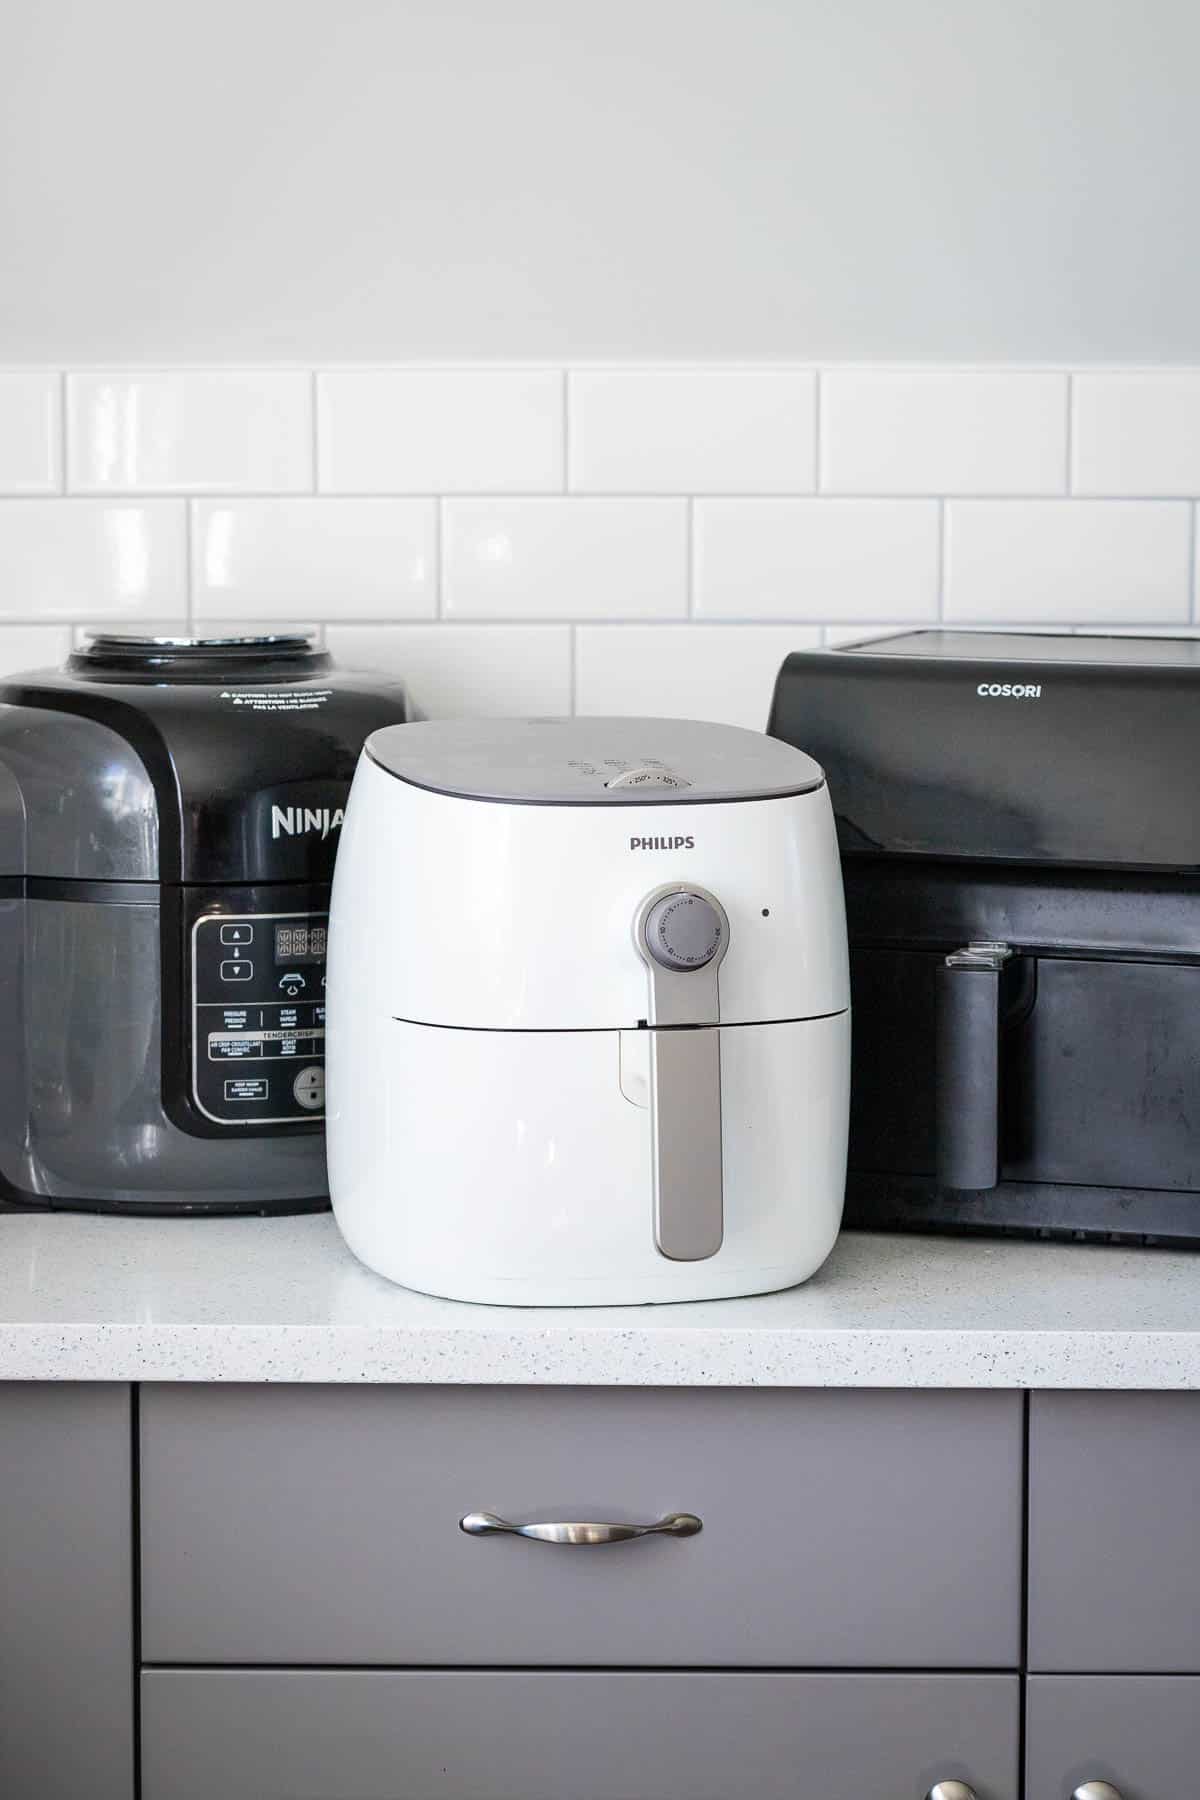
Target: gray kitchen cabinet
[1141,1734]
[840,1529]
[846,1625]
[66,1592]
[1114,1578]
[375,1735]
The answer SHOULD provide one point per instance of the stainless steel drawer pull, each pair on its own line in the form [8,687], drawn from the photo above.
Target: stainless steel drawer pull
[1097,1790]
[951,1790]
[485,1524]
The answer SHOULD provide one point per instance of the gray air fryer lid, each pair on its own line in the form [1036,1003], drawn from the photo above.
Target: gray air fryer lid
[592,762]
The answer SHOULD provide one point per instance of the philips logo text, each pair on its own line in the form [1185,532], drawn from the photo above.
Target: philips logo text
[298,821]
[662,843]
[1009,690]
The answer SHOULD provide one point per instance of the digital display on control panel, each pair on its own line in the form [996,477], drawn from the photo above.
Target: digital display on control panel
[300,943]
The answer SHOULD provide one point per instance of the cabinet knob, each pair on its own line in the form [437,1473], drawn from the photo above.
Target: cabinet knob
[1097,1790]
[951,1790]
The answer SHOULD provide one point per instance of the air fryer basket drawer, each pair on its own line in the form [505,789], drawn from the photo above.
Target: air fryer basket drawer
[1103,1076]
[1099,1075]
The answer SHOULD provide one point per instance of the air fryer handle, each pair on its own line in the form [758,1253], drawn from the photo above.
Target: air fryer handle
[685,1131]
[968,1066]
[681,933]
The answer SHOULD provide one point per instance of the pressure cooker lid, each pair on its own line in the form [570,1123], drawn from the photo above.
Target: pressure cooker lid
[107,656]
[592,762]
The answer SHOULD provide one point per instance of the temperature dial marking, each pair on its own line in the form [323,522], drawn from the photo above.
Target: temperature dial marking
[683,931]
[647,777]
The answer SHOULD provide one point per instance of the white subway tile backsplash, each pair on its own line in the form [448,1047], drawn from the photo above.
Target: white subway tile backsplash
[1137,433]
[310,558]
[692,431]
[652,539]
[30,450]
[943,432]
[93,559]
[217,431]
[1071,561]
[25,647]
[722,672]
[817,559]
[565,558]
[456,671]
[440,431]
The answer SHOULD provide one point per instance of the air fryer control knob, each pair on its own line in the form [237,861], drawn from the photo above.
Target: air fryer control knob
[683,930]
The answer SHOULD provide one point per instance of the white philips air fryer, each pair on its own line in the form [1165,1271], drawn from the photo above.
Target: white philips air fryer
[588,1012]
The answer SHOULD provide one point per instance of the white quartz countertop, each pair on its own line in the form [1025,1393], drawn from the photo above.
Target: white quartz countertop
[121,1299]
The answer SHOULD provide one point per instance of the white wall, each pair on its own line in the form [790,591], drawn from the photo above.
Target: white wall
[248,249]
[711,179]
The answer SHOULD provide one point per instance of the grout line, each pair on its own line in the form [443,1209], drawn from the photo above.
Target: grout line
[439,555]
[573,670]
[62,434]
[566,431]
[625,365]
[314,433]
[818,392]
[689,561]
[1069,482]
[125,496]
[1155,627]
[128,495]
[188,541]
[943,532]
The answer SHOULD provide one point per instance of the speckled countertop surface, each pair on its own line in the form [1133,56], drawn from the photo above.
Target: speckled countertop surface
[99,1299]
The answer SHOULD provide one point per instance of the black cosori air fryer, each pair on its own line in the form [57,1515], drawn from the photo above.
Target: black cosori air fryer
[1020,836]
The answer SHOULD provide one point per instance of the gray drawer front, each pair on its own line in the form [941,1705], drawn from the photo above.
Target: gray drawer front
[1141,1733]
[66,1584]
[366,1735]
[1114,1579]
[319,1526]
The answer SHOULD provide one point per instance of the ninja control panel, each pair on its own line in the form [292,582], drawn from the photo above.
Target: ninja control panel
[258,1017]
